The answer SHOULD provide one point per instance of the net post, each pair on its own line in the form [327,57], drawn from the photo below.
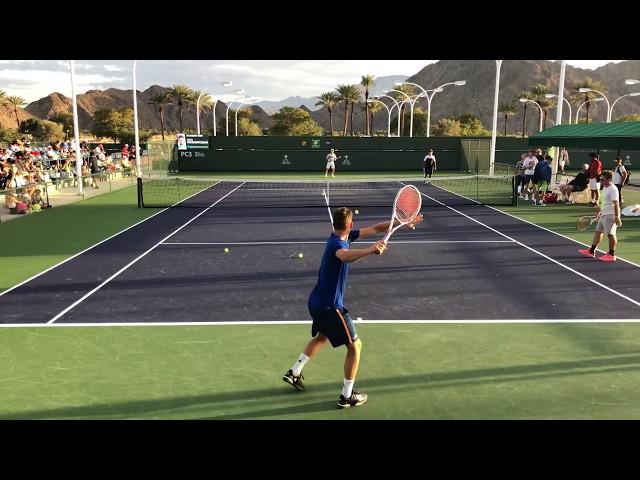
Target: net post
[140,198]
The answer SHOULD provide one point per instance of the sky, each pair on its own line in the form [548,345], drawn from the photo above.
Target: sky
[262,79]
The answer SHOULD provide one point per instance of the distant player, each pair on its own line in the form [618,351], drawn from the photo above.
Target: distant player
[331,163]
[428,165]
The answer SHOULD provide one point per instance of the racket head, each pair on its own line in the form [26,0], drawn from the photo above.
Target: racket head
[583,223]
[407,204]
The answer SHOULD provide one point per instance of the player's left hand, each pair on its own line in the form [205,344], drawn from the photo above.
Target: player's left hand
[416,220]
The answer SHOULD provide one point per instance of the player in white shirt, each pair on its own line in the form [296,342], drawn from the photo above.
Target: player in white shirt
[331,163]
[609,220]
[529,165]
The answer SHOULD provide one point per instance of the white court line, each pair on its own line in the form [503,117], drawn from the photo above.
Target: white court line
[535,251]
[137,258]
[95,245]
[308,322]
[324,242]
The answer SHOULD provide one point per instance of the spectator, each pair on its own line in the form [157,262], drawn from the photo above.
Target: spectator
[529,164]
[520,174]
[620,177]
[125,151]
[563,160]
[595,170]
[542,178]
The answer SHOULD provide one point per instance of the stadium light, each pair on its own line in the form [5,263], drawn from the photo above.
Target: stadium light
[375,99]
[229,106]
[396,104]
[429,98]
[240,91]
[584,103]
[587,90]
[634,94]
[226,83]
[525,100]
[76,130]
[553,95]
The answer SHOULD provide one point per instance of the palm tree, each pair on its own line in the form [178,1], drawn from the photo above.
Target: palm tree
[329,100]
[373,109]
[586,96]
[525,94]
[509,109]
[343,92]
[539,91]
[3,94]
[367,82]
[17,102]
[159,101]
[354,96]
[182,94]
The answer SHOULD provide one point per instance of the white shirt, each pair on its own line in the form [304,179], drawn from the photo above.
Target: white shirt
[617,177]
[609,195]
[429,159]
[331,157]
[530,165]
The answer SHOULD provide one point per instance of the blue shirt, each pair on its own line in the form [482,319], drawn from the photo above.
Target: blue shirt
[333,274]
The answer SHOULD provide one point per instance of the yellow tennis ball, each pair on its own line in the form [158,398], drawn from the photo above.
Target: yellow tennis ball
[300,255]
[357,212]
[226,250]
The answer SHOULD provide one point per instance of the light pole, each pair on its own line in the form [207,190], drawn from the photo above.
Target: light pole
[76,130]
[396,105]
[224,84]
[587,90]
[553,95]
[492,154]
[408,99]
[229,106]
[425,93]
[525,100]
[634,94]
[215,128]
[371,100]
[563,67]
[135,123]
[247,101]
[584,103]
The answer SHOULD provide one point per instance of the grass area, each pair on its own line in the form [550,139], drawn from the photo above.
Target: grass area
[234,372]
[409,371]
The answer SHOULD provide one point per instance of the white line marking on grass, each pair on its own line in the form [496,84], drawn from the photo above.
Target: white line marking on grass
[138,258]
[306,322]
[535,251]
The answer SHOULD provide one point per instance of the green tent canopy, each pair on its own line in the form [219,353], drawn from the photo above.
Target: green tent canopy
[619,135]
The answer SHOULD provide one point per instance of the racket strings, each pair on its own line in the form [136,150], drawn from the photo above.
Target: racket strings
[408,205]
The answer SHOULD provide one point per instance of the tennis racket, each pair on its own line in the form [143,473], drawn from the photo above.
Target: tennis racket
[406,208]
[585,222]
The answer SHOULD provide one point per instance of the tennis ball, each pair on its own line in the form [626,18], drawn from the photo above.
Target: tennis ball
[357,212]
[226,250]
[300,255]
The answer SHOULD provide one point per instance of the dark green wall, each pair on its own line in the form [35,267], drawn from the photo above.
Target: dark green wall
[363,154]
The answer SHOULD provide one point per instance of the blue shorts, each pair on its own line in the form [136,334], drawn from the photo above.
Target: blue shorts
[335,324]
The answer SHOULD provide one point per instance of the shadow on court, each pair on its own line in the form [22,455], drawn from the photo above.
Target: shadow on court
[286,395]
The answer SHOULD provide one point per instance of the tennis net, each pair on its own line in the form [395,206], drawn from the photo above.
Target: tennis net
[198,192]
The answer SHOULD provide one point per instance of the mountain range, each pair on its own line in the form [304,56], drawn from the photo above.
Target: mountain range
[476,97]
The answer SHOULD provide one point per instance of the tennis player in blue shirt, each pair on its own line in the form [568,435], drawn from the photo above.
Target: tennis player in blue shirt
[331,319]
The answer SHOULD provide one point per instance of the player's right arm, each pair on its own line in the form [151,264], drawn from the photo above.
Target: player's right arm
[350,255]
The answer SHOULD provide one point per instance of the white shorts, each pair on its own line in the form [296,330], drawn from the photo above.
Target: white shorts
[607,224]
[593,185]
[331,165]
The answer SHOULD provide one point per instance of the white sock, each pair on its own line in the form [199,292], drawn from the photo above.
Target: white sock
[519,188]
[297,367]
[347,388]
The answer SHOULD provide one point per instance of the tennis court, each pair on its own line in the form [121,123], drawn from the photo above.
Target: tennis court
[467,263]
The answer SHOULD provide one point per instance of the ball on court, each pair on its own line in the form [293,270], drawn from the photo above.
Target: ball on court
[300,255]
[357,212]
[226,250]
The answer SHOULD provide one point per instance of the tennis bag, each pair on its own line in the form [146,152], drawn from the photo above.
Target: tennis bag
[550,197]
